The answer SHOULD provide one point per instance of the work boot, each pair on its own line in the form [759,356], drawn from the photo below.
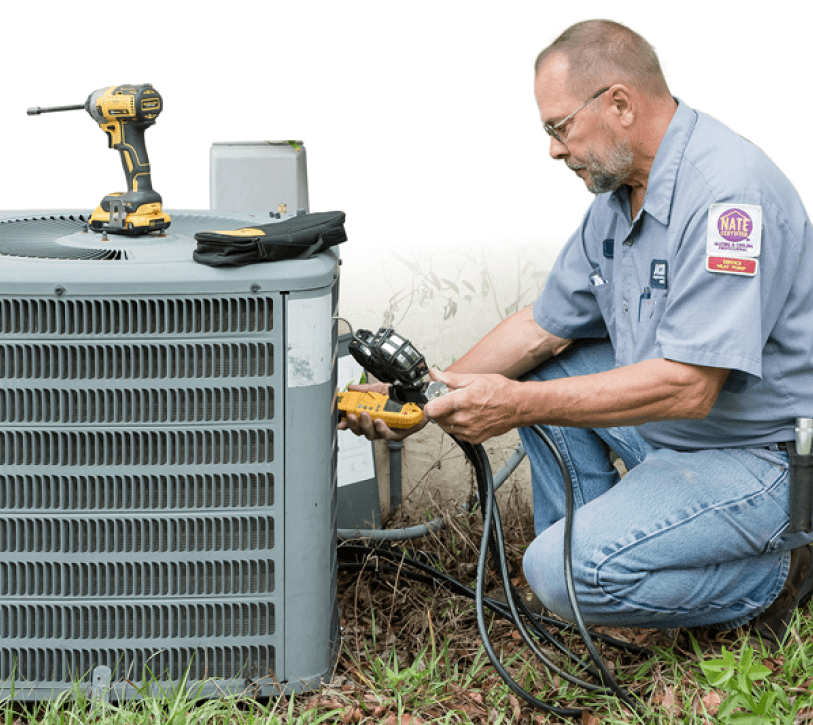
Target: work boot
[772,624]
[526,594]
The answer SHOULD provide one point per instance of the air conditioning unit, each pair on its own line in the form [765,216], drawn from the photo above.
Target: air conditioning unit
[167,463]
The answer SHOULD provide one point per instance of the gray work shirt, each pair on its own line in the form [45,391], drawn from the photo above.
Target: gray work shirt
[716,270]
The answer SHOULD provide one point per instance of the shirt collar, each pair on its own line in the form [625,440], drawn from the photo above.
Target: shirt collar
[663,175]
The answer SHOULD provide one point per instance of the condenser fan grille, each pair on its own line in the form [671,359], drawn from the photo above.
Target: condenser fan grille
[137,316]
[96,448]
[37,237]
[113,622]
[136,535]
[195,664]
[106,406]
[136,579]
[117,493]
[136,361]
[138,459]
[67,236]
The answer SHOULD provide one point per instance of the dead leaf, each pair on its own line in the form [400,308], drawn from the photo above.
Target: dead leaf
[712,701]
[668,701]
[403,720]
[515,707]
[353,714]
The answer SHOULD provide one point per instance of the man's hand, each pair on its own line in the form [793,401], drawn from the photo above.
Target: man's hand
[375,429]
[477,408]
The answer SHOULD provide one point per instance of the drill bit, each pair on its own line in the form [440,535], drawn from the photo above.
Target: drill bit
[37,110]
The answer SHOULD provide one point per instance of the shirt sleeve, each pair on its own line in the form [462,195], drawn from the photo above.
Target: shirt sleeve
[723,319]
[567,306]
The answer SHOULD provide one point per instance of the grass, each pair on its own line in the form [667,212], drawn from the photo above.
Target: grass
[411,654]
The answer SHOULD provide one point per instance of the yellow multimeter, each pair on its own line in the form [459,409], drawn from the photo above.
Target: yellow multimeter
[395,415]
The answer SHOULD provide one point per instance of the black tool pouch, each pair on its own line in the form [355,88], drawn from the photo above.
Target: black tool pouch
[295,238]
[801,491]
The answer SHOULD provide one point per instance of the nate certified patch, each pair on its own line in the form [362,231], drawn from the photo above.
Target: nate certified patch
[734,230]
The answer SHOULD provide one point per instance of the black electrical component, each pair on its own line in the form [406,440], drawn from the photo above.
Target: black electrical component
[391,359]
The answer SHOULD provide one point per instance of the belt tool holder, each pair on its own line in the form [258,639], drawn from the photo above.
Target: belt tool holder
[801,491]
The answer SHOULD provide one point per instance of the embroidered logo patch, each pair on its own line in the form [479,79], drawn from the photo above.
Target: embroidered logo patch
[732,265]
[608,248]
[658,274]
[734,230]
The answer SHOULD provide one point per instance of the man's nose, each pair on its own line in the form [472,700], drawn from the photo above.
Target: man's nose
[557,149]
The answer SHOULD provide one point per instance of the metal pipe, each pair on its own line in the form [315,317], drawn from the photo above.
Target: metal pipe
[396,493]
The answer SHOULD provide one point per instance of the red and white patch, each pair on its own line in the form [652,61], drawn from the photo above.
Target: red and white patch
[732,265]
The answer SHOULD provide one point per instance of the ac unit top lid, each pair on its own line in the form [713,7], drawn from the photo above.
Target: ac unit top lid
[55,248]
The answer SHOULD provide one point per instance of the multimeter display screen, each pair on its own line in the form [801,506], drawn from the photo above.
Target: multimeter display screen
[392,407]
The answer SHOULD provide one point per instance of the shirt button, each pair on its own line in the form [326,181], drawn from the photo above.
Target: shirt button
[625,307]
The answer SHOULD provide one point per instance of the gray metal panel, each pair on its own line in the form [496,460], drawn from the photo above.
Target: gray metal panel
[246,175]
[358,504]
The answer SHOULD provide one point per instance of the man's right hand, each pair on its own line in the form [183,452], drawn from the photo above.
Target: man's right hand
[376,430]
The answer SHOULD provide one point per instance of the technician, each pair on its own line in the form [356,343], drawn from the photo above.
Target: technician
[676,328]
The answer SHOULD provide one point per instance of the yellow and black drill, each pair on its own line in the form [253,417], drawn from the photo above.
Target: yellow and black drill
[124,113]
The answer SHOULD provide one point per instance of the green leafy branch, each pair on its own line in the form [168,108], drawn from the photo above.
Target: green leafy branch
[747,701]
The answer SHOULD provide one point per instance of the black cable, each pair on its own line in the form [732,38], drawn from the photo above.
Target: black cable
[607,678]
[487,503]
[433,576]
[493,542]
[491,516]
[355,557]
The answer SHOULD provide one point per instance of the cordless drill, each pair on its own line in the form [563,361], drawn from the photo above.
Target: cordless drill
[124,113]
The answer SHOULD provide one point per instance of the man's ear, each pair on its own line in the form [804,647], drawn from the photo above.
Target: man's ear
[623,105]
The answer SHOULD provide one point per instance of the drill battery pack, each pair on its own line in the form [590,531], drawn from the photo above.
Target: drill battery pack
[113,216]
[296,238]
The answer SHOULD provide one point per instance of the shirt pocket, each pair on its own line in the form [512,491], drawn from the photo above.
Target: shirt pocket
[651,305]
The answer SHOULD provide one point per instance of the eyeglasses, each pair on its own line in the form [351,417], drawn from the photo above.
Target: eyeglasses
[554,130]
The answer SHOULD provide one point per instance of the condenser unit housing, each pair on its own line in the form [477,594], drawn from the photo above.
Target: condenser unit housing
[167,463]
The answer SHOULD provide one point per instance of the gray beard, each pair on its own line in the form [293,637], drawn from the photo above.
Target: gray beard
[609,173]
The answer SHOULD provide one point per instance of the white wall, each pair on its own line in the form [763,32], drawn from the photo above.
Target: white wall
[418,118]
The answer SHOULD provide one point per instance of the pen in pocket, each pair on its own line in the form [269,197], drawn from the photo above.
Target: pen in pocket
[645,295]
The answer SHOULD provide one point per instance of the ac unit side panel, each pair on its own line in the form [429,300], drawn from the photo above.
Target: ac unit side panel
[310,578]
[310,586]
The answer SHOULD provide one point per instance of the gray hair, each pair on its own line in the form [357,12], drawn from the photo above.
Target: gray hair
[603,52]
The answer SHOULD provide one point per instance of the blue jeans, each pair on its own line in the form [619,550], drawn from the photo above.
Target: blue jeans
[686,538]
